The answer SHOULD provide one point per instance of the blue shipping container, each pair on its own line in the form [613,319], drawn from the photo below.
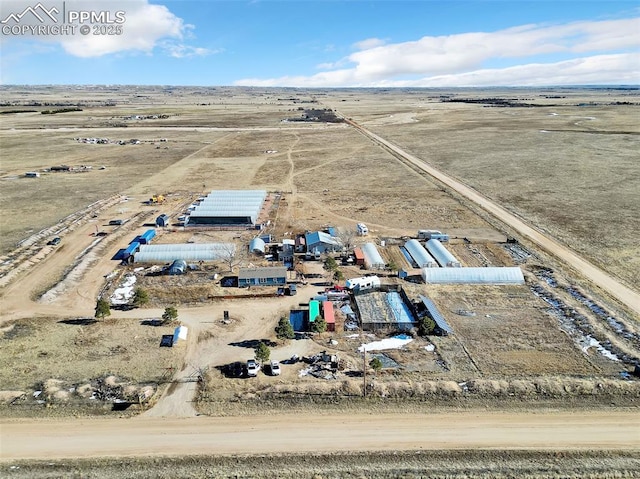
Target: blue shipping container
[147,236]
[298,319]
[131,249]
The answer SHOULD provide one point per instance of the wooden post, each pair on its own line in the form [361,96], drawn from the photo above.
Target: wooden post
[364,371]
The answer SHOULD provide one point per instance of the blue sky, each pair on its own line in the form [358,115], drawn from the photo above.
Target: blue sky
[331,43]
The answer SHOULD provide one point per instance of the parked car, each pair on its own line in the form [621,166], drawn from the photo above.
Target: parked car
[55,241]
[252,368]
[274,366]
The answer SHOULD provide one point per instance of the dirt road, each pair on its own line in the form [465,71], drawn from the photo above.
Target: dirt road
[317,433]
[616,289]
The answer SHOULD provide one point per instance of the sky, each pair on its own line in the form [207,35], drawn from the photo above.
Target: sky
[321,43]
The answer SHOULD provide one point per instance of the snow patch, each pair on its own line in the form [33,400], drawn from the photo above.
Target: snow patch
[124,293]
[388,343]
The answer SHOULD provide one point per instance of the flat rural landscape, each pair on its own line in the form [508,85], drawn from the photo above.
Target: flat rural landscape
[407,268]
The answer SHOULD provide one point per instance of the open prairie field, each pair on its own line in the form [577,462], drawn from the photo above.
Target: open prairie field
[563,159]
[75,362]
[555,342]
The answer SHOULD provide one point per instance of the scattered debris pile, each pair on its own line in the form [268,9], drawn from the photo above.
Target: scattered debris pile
[322,365]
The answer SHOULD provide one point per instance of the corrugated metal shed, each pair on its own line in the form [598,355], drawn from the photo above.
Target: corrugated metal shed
[164,253]
[257,246]
[372,258]
[131,249]
[179,266]
[228,207]
[420,255]
[321,242]
[162,221]
[262,273]
[441,254]
[359,255]
[147,236]
[327,314]
[434,313]
[298,318]
[490,275]
[314,310]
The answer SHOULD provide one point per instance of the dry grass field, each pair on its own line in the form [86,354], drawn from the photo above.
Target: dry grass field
[560,179]
[69,360]
[567,164]
[470,464]
[553,343]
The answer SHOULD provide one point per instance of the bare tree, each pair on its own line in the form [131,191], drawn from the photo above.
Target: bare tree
[230,255]
[346,237]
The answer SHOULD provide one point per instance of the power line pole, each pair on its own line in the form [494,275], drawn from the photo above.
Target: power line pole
[364,371]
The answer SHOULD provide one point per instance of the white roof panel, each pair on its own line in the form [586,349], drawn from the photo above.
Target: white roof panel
[490,275]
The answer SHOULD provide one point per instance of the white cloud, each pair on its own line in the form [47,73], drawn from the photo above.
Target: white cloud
[145,26]
[618,69]
[368,43]
[180,50]
[460,58]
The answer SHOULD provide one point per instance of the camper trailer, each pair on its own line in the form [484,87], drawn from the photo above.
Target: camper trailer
[362,229]
[433,234]
[363,283]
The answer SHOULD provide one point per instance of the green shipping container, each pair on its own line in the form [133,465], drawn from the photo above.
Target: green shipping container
[314,310]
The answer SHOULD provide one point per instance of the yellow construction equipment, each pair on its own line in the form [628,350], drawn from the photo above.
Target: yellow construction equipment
[156,199]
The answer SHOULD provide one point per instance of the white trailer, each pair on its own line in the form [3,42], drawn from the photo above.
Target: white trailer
[363,283]
[362,229]
[433,234]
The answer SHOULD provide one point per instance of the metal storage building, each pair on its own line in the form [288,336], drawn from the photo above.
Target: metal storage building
[442,327]
[228,208]
[165,253]
[372,258]
[130,250]
[490,275]
[442,254]
[267,276]
[298,319]
[359,255]
[420,255]
[321,242]
[162,221]
[257,246]
[147,236]
[329,317]
[314,310]
[179,266]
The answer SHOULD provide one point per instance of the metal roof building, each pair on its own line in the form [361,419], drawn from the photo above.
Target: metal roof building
[441,254]
[228,208]
[420,255]
[266,276]
[490,275]
[165,253]
[372,258]
[257,246]
[320,241]
[179,266]
[434,313]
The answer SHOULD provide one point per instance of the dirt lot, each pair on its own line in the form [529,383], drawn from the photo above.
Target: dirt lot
[555,339]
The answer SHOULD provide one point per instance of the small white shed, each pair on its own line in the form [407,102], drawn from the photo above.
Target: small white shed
[180,333]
